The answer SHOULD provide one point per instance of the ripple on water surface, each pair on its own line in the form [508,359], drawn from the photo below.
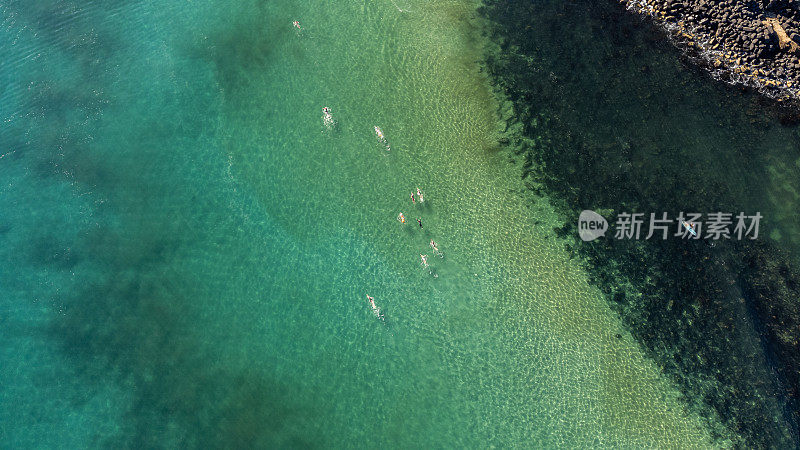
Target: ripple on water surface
[227,241]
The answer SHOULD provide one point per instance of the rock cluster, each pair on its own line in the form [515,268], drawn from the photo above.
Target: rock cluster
[753,42]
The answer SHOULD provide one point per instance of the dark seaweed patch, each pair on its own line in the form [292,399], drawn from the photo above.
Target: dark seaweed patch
[133,320]
[610,118]
[135,325]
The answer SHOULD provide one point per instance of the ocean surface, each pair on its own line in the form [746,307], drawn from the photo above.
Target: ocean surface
[187,247]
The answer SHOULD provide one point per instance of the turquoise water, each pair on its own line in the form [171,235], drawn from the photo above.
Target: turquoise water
[188,247]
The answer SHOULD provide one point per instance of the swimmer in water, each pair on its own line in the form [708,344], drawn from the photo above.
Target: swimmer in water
[401,218]
[327,117]
[375,309]
[382,138]
[296,24]
[419,221]
[419,194]
[436,250]
[690,228]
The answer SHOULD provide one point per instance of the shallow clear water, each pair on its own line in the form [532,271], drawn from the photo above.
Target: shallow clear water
[188,248]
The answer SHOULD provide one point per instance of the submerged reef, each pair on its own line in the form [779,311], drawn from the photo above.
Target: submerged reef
[770,285]
[753,42]
[622,125]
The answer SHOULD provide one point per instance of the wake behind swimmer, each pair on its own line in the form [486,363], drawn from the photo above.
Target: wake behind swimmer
[375,309]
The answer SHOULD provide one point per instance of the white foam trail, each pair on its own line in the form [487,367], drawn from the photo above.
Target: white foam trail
[398,8]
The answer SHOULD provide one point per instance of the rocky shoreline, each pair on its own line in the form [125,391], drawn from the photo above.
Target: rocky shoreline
[753,43]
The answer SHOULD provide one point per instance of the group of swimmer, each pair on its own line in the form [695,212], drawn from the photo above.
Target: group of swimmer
[330,122]
[402,219]
[419,197]
[436,252]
